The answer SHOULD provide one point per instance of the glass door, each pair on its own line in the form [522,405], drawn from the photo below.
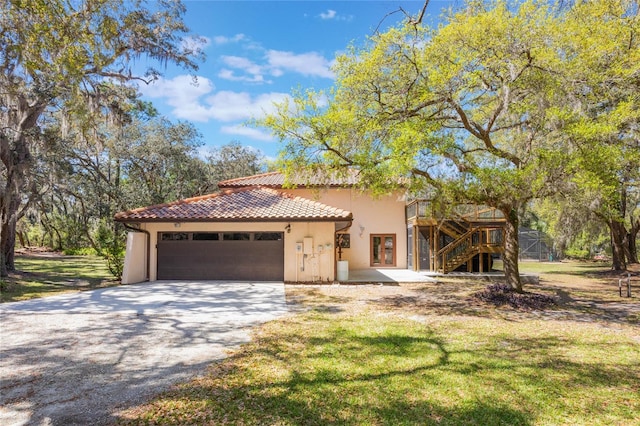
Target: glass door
[383,250]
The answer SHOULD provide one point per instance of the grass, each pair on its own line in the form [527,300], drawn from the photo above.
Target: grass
[49,274]
[580,268]
[419,355]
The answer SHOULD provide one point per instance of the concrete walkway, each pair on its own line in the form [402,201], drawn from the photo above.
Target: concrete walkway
[388,276]
[391,276]
[77,359]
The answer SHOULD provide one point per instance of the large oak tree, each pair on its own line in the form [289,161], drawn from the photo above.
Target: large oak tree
[495,106]
[459,108]
[600,116]
[62,55]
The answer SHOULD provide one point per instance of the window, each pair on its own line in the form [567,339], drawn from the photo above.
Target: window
[267,236]
[174,236]
[343,240]
[383,250]
[236,236]
[206,236]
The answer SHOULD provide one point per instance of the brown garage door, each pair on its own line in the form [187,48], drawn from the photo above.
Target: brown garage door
[255,256]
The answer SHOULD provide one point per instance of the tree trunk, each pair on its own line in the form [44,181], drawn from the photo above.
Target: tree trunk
[17,123]
[511,250]
[9,215]
[632,236]
[619,245]
[8,237]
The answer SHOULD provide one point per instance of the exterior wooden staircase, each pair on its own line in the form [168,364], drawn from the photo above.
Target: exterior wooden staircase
[447,239]
[468,241]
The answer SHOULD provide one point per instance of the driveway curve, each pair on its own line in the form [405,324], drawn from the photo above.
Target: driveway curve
[78,359]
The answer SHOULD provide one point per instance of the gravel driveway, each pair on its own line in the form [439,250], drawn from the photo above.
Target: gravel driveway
[77,359]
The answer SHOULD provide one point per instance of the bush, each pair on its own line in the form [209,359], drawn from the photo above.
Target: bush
[576,253]
[111,245]
[82,251]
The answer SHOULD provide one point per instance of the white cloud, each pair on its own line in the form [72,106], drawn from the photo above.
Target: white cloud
[226,74]
[308,64]
[247,132]
[329,14]
[277,63]
[226,40]
[183,94]
[188,100]
[234,106]
[246,65]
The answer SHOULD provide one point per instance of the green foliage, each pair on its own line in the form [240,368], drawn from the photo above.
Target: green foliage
[76,61]
[577,253]
[458,108]
[504,103]
[111,243]
[232,161]
[83,251]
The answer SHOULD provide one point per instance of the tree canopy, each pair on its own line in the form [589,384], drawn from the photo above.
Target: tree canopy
[71,58]
[478,109]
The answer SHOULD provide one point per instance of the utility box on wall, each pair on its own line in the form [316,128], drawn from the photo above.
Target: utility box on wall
[307,245]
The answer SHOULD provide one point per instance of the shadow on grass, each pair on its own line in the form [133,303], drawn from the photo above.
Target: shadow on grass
[323,394]
[322,374]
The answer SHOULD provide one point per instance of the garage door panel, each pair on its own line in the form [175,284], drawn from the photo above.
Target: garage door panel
[221,260]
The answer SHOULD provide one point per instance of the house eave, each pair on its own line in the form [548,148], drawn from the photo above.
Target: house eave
[230,220]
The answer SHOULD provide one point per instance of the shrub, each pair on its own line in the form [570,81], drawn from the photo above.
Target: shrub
[81,251]
[111,245]
[576,253]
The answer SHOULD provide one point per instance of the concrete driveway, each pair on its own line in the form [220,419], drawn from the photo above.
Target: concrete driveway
[78,359]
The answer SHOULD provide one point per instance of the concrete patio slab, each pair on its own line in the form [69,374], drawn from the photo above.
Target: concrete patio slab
[388,276]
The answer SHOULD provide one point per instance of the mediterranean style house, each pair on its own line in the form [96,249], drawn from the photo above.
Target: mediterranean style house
[257,228]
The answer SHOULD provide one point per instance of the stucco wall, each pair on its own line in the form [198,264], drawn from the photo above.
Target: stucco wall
[316,266]
[384,215]
[134,270]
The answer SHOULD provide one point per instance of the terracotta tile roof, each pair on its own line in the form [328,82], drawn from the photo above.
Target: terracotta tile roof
[277,180]
[240,204]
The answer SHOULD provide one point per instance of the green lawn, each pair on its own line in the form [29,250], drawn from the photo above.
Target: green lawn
[45,275]
[402,360]
[565,267]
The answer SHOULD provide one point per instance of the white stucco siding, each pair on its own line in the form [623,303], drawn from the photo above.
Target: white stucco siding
[383,215]
[135,260]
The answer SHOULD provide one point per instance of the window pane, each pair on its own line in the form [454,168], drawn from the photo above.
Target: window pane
[376,250]
[206,236]
[174,236]
[388,251]
[267,236]
[236,236]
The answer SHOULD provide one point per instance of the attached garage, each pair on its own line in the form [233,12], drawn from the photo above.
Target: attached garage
[246,234]
[221,256]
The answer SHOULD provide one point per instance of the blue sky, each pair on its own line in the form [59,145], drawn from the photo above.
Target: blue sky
[257,53]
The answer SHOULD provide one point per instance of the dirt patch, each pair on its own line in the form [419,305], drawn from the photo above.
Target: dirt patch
[595,302]
[38,252]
